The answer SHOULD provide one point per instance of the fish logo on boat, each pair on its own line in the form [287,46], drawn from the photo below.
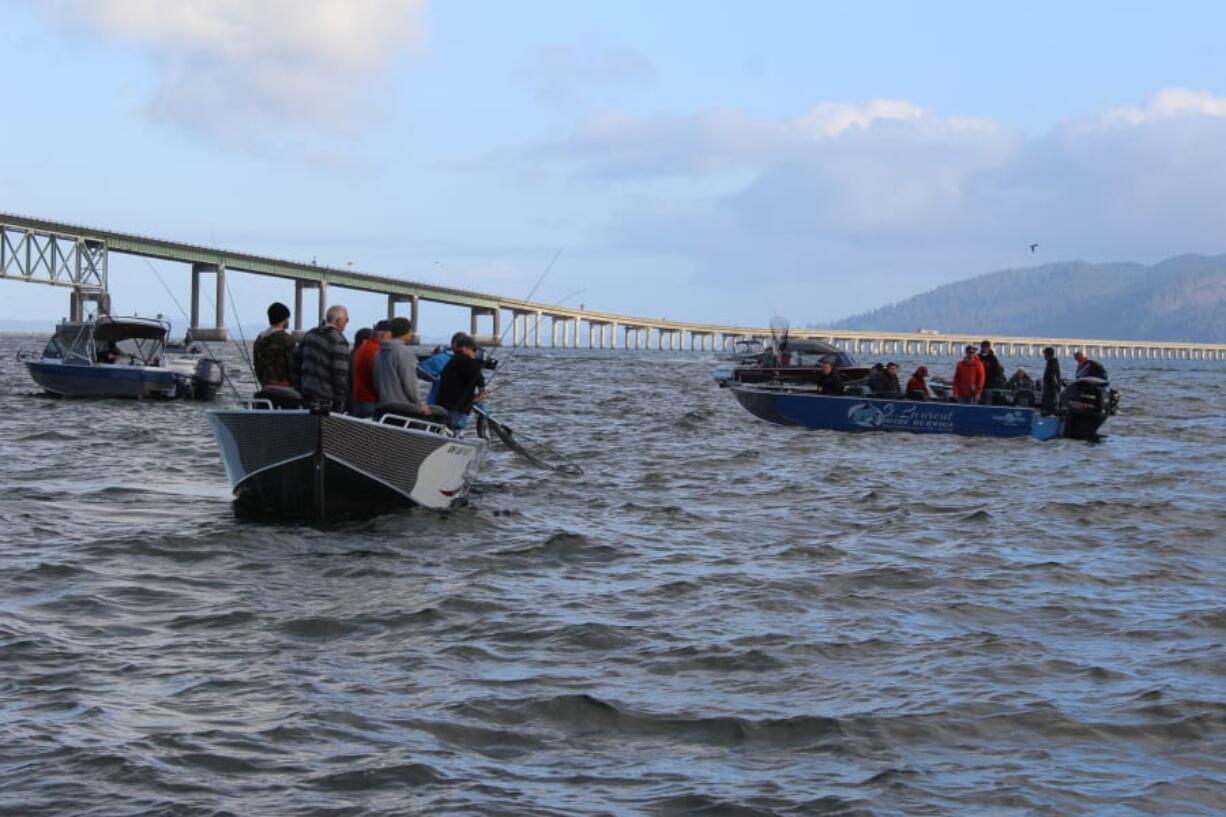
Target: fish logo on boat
[865,416]
[1012,418]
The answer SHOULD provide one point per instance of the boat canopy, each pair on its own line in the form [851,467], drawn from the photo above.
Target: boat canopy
[140,340]
[114,330]
[816,351]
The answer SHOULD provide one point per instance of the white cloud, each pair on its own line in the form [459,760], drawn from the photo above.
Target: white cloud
[860,199]
[1167,104]
[615,144]
[228,66]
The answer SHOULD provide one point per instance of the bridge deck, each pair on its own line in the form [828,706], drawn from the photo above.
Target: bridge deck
[46,263]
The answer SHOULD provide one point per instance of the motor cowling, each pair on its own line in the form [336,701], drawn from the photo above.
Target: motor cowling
[1085,404]
[1086,395]
[207,378]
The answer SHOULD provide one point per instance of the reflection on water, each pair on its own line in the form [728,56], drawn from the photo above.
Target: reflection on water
[719,617]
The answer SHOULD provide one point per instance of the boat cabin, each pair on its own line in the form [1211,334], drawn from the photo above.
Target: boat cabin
[809,353]
[132,341]
[748,346]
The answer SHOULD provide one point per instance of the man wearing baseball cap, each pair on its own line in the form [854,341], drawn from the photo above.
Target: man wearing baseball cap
[461,384]
[969,377]
[396,368]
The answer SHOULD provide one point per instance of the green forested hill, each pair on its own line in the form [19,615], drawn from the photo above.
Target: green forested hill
[1182,298]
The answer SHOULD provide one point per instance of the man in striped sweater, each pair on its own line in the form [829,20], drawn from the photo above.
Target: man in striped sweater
[322,362]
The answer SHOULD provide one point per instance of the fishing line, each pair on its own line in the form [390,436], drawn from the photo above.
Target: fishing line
[540,279]
[535,324]
[238,323]
[188,319]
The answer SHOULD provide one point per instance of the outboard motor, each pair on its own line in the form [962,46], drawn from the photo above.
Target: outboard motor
[206,380]
[1085,404]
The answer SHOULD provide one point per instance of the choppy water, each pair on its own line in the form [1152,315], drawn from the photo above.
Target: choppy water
[722,617]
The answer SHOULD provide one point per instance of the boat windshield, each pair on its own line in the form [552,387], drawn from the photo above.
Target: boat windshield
[132,341]
[748,347]
[137,341]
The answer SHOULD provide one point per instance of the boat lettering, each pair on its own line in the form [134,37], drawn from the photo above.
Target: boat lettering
[891,415]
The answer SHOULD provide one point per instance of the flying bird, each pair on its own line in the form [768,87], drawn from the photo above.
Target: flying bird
[1033,246]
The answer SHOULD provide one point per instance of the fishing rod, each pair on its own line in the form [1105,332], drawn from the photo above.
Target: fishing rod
[186,318]
[535,324]
[515,348]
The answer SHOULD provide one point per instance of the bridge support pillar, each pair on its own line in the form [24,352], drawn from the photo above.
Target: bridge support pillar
[218,332]
[298,286]
[414,302]
[496,338]
[79,297]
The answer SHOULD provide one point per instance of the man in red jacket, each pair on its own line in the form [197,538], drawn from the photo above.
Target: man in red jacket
[364,395]
[969,377]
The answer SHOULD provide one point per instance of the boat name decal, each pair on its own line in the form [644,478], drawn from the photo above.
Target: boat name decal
[892,415]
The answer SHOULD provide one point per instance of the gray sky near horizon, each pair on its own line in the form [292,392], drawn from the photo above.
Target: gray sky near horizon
[717,163]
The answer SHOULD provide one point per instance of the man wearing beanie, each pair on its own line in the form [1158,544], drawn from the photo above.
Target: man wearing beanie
[395,370]
[274,348]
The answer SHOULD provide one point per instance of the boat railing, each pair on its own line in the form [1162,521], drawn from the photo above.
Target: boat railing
[255,404]
[415,424]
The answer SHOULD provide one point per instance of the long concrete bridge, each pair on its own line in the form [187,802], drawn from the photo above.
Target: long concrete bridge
[48,252]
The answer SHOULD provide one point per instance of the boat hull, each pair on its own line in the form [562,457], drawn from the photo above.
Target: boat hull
[851,413]
[298,465]
[104,380]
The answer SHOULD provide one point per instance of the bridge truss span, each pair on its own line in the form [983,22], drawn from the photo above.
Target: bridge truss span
[49,257]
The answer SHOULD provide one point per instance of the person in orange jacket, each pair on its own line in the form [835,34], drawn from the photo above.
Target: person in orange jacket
[969,377]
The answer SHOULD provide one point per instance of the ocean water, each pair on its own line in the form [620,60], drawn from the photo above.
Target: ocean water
[719,617]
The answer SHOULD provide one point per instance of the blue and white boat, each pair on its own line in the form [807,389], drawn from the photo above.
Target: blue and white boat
[121,357]
[798,407]
[786,393]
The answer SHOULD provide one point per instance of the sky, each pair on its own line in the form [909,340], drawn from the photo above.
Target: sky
[715,162]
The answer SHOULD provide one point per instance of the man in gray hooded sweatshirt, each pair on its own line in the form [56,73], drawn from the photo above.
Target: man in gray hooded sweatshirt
[396,368]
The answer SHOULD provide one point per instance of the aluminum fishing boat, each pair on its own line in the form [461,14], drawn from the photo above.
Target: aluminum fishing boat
[784,391]
[121,357]
[314,467]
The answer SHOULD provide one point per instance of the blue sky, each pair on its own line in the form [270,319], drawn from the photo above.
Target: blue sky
[714,162]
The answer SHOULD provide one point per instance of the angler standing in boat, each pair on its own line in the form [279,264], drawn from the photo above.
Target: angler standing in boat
[993,372]
[1051,381]
[322,363]
[461,383]
[1087,367]
[273,350]
[968,377]
[395,368]
[362,373]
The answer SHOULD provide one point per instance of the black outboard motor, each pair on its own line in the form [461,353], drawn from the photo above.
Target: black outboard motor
[206,380]
[1085,404]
